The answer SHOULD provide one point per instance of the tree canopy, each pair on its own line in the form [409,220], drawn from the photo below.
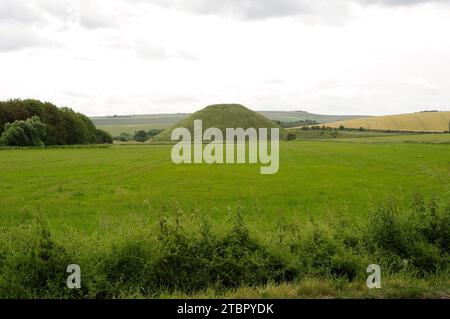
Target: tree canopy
[30,132]
[61,125]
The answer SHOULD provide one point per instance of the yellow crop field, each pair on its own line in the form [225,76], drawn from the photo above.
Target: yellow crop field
[413,122]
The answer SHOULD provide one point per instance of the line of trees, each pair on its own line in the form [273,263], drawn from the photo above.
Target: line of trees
[296,123]
[34,123]
[139,136]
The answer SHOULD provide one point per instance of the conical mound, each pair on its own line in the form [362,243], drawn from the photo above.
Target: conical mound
[222,116]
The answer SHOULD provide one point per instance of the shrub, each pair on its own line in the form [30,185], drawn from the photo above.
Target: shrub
[321,254]
[39,270]
[193,264]
[124,137]
[140,136]
[33,264]
[124,271]
[153,132]
[421,238]
[103,137]
[291,136]
[30,132]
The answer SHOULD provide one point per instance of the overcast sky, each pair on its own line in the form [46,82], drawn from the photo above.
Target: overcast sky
[104,57]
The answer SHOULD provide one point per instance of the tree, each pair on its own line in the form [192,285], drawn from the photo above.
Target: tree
[52,117]
[30,132]
[140,136]
[77,132]
[153,132]
[11,111]
[63,125]
[103,137]
[291,136]
[341,128]
[125,137]
[91,130]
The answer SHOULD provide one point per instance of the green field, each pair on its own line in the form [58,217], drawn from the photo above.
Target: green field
[315,179]
[96,201]
[400,138]
[302,134]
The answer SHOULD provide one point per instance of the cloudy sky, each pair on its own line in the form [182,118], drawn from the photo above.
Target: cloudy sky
[104,57]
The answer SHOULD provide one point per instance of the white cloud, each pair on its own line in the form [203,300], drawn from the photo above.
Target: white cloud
[137,56]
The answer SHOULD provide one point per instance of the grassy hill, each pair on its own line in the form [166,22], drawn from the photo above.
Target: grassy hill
[413,122]
[222,116]
[131,123]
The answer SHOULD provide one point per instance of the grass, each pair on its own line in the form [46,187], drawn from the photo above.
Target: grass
[85,184]
[302,134]
[99,201]
[443,138]
[394,287]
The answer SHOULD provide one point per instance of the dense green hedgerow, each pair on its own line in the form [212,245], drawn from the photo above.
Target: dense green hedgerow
[179,258]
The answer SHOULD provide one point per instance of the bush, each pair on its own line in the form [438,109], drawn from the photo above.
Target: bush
[321,254]
[33,264]
[420,238]
[124,137]
[193,264]
[124,271]
[153,132]
[140,136]
[39,270]
[103,137]
[30,132]
[291,136]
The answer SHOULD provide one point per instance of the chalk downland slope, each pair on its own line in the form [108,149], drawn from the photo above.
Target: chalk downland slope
[413,122]
[222,116]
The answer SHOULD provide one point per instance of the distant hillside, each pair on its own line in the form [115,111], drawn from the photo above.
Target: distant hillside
[413,122]
[222,116]
[131,123]
[294,116]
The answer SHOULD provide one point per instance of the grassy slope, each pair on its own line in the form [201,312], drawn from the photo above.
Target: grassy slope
[414,122]
[300,115]
[222,116]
